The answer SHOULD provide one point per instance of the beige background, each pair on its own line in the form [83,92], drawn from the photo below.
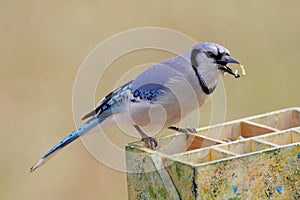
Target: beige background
[42,45]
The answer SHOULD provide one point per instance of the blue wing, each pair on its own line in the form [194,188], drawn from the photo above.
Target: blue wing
[148,92]
[105,106]
[147,87]
[111,103]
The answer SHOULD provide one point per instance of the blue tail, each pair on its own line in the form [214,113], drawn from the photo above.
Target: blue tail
[67,140]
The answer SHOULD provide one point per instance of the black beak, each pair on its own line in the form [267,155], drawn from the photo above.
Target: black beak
[224,61]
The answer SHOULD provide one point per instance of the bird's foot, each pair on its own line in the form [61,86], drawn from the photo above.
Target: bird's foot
[186,130]
[150,142]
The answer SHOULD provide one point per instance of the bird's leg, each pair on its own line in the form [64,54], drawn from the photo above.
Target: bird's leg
[150,142]
[183,130]
[186,130]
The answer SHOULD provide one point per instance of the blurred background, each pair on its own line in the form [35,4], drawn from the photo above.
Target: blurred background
[42,45]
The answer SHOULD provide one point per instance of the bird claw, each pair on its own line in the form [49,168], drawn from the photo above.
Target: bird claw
[186,130]
[150,142]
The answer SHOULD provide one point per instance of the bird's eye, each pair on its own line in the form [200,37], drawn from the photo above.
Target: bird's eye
[210,54]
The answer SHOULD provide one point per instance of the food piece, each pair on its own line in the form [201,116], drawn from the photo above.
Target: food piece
[243,70]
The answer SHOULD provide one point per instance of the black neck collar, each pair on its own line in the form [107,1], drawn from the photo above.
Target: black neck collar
[200,78]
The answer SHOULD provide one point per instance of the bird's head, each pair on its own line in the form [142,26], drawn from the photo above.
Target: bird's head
[212,58]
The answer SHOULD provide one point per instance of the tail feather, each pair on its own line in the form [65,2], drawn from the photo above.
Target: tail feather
[67,140]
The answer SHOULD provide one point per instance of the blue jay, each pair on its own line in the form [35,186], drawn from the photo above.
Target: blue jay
[170,84]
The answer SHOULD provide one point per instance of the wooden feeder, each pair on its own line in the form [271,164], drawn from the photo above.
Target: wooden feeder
[252,158]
